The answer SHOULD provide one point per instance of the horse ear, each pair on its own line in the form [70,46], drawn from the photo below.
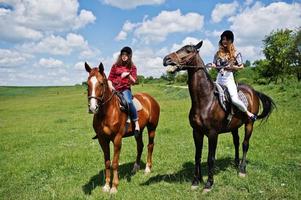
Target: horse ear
[199,45]
[100,68]
[88,68]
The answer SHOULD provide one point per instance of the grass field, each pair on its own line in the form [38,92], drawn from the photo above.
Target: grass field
[46,150]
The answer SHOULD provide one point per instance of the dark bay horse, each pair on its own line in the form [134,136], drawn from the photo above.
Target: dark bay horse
[109,123]
[207,117]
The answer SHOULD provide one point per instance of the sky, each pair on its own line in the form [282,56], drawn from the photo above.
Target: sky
[46,42]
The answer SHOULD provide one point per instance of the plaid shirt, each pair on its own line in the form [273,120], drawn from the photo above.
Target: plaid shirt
[121,84]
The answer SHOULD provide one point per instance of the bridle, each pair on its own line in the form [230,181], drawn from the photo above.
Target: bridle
[100,99]
[181,64]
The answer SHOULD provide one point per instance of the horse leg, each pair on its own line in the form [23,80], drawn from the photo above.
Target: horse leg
[198,143]
[117,148]
[236,145]
[150,148]
[212,138]
[105,145]
[245,147]
[140,145]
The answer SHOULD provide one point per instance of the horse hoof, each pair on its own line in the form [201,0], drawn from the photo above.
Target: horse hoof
[194,187]
[113,190]
[106,188]
[147,170]
[136,168]
[242,174]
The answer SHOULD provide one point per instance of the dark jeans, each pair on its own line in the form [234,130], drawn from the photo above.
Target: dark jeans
[128,97]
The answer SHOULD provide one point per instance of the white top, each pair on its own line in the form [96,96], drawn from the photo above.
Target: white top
[224,76]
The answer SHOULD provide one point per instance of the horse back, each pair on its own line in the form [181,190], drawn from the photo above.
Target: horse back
[252,98]
[150,109]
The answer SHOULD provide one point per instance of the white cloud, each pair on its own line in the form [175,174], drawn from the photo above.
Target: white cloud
[132,3]
[30,19]
[223,10]
[122,35]
[85,17]
[253,24]
[12,58]
[50,63]
[148,63]
[206,52]
[79,66]
[248,2]
[250,52]
[57,45]
[159,27]
[127,27]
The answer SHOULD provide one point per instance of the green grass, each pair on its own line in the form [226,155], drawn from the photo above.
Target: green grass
[46,150]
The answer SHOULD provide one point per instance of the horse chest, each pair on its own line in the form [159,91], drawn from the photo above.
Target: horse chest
[106,130]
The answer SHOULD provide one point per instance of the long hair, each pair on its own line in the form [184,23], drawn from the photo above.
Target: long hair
[129,63]
[226,52]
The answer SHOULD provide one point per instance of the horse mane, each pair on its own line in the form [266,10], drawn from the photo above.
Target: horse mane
[209,78]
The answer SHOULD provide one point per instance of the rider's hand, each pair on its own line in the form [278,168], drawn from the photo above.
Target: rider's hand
[210,65]
[125,74]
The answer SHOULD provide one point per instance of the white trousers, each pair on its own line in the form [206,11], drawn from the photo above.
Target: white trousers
[230,84]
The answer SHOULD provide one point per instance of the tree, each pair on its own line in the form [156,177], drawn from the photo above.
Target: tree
[295,54]
[182,77]
[140,79]
[247,63]
[170,77]
[262,68]
[277,50]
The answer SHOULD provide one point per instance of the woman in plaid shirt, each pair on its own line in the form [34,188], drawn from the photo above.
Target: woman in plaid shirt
[123,74]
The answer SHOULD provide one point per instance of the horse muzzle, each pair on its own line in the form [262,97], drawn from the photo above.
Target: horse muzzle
[168,61]
[93,109]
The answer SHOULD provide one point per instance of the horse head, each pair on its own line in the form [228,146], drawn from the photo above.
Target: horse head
[183,58]
[97,87]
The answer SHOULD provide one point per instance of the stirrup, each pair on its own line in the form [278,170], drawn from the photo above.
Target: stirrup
[253,118]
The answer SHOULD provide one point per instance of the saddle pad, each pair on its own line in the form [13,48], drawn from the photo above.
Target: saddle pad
[243,98]
[223,100]
[137,104]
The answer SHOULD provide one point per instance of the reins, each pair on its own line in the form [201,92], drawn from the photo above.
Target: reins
[101,101]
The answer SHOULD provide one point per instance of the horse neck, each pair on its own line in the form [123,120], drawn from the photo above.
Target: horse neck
[111,103]
[199,83]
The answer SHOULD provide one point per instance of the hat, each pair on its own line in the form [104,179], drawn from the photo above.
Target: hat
[127,50]
[228,34]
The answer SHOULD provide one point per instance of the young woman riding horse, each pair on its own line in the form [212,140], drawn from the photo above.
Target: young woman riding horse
[227,60]
[207,117]
[109,123]
[123,74]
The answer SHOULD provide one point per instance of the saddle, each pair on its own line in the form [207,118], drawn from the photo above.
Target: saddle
[224,99]
[124,106]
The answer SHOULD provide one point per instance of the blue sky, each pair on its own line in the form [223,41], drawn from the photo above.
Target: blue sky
[46,42]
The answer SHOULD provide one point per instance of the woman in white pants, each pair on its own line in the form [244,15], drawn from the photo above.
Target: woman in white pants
[227,60]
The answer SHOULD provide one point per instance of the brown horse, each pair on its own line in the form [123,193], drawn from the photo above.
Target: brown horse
[207,117]
[109,123]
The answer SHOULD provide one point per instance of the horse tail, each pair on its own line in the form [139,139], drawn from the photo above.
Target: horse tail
[267,104]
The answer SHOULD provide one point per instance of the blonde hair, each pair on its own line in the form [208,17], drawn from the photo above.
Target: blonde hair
[227,52]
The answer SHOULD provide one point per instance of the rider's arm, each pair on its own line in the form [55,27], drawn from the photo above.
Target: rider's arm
[234,67]
[111,85]
[238,64]
[133,74]
[112,77]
